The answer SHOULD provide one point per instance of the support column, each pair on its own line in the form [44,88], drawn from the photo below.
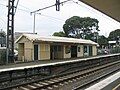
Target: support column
[10,32]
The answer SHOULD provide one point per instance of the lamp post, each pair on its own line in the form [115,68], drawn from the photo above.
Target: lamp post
[34,24]
[34,20]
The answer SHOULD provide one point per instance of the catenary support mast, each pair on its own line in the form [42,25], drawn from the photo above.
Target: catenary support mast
[10,32]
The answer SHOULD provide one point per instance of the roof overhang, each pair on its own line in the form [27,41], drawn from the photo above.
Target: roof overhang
[109,7]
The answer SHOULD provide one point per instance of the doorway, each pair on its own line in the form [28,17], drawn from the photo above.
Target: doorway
[56,52]
[73,51]
[35,52]
[90,51]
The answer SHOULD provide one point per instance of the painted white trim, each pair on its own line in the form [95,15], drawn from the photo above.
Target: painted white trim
[100,85]
[53,63]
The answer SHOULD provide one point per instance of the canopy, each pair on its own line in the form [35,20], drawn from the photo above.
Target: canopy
[109,7]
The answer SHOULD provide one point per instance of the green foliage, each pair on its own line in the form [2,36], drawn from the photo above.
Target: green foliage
[2,34]
[2,38]
[102,40]
[114,35]
[2,56]
[115,50]
[60,34]
[81,27]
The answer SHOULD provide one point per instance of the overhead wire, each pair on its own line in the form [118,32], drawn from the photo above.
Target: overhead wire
[49,6]
[3,4]
[29,11]
[2,22]
[49,16]
[25,7]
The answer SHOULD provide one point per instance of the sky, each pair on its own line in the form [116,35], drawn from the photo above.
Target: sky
[50,20]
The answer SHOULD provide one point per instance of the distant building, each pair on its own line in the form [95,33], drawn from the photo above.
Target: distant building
[112,44]
[35,47]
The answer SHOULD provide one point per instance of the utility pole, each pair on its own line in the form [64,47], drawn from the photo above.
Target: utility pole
[10,32]
[34,24]
[34,21]
[34,12]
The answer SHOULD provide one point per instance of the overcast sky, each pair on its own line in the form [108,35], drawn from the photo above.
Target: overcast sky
[50,20]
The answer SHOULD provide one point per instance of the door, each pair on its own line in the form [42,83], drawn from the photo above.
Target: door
[90,51]
[51,52]
[35,52]
[73,51]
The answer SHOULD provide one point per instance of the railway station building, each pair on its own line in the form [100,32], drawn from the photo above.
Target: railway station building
[35,47]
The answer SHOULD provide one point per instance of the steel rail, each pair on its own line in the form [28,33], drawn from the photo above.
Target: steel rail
[54,83]
[95,80]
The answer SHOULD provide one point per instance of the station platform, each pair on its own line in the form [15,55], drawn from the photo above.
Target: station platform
[37,63]
[110,83]
[43,63]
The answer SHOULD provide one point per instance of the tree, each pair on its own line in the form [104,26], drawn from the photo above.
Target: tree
[2,38]
[102,40]
[60,34]
[2,34]
[114,35]
[81,27]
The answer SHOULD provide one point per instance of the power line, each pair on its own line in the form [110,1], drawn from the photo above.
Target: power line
[3,4]
[49,6]
[29,11]
[25,7]
[49,16]
[41,14]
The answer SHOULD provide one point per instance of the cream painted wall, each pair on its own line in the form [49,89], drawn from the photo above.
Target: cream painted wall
[20,51]
[25,52]
[44,51]
[66,55]
[28,51]
[94,50]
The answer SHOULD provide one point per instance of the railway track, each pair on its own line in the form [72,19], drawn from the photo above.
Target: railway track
[57,82]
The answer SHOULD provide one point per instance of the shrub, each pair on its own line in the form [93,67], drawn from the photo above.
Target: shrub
[2,56]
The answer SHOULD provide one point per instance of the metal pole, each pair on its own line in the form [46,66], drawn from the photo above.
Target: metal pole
[7,41]
[12,35]
[10,32]
[34,23]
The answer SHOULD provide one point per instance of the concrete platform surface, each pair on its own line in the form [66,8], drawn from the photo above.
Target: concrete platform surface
[110,83]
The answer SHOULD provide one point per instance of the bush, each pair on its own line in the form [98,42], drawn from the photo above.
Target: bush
[115,50]
[2,56]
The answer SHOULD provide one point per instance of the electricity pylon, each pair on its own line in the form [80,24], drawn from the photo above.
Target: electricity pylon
[10,32]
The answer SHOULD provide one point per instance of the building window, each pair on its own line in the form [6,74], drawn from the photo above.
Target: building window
[78,48]
[67,49]
[85,49]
